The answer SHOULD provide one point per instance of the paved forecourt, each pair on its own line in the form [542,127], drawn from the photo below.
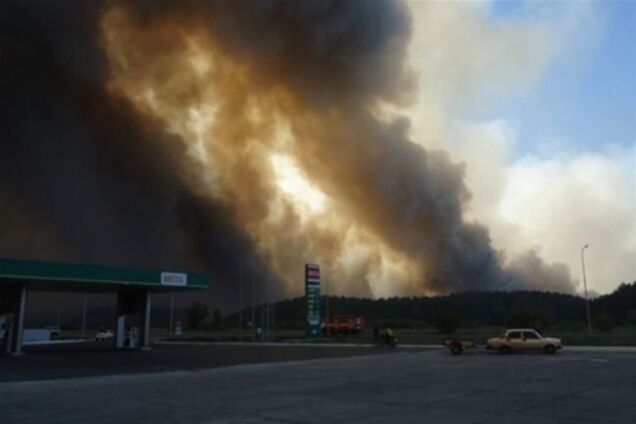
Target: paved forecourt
[402,386]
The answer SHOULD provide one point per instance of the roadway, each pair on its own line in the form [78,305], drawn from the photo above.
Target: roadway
[305,384]
[90,359]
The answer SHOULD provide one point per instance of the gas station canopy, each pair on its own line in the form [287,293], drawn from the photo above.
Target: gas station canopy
[132,286]
[80,277]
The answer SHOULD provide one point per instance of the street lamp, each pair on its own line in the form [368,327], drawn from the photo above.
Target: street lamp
[587,300]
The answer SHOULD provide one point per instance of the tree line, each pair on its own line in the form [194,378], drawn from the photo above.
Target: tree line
[468,309]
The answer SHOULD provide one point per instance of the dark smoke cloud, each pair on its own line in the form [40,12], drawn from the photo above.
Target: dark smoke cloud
[108,183]
[83,177]
[326,50]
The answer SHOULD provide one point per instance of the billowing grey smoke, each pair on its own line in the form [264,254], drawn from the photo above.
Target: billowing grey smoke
[88,176]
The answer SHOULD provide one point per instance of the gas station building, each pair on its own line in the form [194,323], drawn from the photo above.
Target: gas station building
[134,288]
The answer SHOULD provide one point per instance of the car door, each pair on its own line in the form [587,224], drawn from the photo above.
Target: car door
[515,340]
[531,340]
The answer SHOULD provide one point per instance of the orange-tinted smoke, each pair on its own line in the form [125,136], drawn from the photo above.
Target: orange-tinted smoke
[256,90]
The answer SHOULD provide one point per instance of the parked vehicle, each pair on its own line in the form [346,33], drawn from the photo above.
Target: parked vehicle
[458,346]
[3,327]
[390,341]
[56,333]
[344,324]
[36,335]
[518,339]
[104,335]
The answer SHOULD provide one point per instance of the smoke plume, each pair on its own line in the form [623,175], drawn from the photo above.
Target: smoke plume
[215,134]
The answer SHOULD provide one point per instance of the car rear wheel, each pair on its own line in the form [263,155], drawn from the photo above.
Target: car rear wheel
[549,349]
[456,349]
[504,350]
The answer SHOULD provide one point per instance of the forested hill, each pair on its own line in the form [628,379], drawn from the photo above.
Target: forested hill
[474,308]
[621,304]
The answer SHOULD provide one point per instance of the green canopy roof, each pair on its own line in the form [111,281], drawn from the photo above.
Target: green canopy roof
[57,275]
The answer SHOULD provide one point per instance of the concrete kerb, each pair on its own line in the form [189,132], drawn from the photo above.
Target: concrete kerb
[300,344]
[582,349]
[55,342]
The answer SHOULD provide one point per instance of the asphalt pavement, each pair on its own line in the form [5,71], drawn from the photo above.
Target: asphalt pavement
[348,385]
[90,359]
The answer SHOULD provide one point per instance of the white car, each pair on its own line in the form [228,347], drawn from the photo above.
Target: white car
[517,339]
[103,335]
[55,331]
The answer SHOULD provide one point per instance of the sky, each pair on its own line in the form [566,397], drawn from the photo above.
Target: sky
[539,102]
[587,98]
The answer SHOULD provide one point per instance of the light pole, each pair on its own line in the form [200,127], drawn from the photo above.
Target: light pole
[587,300]
[84,315]
[273,323]
[171,325]
[266,311]
[240,317]
[327,294]
[251,269]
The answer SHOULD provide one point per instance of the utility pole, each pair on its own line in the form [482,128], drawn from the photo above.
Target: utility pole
[263,327]
[171,324]
[240,317]
[273,319]
[266,304]
[253,300]
[587,299]
[269,309]
[327,293]
[84,315]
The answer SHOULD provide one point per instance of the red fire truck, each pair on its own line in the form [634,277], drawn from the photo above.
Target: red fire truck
[343,324]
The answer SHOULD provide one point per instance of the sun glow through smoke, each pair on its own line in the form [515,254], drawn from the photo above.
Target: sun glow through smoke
[295,186]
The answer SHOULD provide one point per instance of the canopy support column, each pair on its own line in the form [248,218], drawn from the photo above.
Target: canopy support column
[14,301]
[145,321]
[132,325]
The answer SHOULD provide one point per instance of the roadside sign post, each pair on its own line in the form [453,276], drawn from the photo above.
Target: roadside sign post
[312,296]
